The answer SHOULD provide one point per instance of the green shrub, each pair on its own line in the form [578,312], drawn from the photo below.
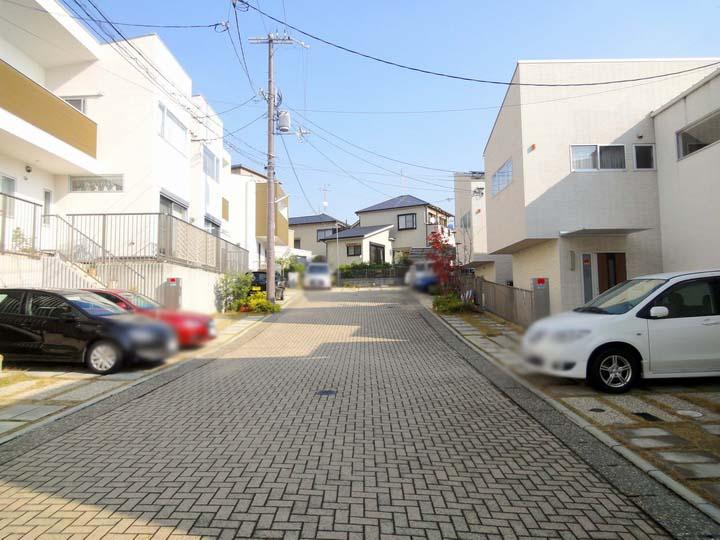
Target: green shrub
[232,291]
[259,303]
[434,290]
[449,303]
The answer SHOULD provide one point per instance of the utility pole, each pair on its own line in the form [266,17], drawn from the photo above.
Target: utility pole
[271,40]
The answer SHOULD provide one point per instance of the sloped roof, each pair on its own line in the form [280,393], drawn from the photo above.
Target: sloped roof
[319,218]
[358,232]
[401,201]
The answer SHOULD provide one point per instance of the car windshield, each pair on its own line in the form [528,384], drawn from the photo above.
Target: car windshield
[141,301]
[93,304]
[622,297]
[318,269]
[419,267]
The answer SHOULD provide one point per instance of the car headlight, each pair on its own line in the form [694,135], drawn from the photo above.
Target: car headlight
[567,336]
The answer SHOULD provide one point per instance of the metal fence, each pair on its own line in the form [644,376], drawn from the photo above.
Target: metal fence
[20,225]
[390,275]
[161,237]
[520,306]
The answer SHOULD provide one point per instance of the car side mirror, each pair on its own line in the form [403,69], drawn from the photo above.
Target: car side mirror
[659,312]
[123,305]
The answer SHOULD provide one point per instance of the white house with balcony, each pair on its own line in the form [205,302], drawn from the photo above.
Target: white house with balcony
[109,163]
[572,172]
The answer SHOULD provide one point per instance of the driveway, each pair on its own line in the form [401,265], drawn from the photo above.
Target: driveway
[348,416]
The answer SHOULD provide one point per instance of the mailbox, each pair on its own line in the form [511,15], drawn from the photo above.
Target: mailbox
[172,293]
[540,287]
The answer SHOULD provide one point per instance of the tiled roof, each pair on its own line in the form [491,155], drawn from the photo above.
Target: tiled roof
[319,218]
[358,232]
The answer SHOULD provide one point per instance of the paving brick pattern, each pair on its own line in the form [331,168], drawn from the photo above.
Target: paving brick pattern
[415,444]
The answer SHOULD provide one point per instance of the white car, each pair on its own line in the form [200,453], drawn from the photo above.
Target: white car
[317,276]
[657,326]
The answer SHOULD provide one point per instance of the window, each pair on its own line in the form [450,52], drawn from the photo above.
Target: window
[699,135]
[443,221]
[612,157]
[502,177]
[591,157]
[225,209]
[466,221]
[583,157]
[211,164]
[171,129]
[11,303]
[7,186]
[644,156]
[112,183]
[407,221]
[354,250]
[47,206]
[48,305]
[698,298]
[322,234]
[76,102]
[212,227]
[296,243]
[172,208]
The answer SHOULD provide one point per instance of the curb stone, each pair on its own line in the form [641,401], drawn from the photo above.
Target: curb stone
[674,507]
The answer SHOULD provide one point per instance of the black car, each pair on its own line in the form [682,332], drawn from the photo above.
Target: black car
[259,283]
[78,326]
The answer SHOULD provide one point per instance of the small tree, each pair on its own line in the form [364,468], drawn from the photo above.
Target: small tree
[441,257]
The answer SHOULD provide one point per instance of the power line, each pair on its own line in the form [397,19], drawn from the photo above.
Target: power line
[230,109]
[297,178]
[233,132]
[241,58]
[367,150]
[461,77]
[215,26]
[346,172]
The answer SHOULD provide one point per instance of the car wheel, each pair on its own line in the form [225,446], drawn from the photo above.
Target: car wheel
[103,357]
[614,370]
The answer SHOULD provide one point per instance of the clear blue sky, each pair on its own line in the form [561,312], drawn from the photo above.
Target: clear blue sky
[478,38]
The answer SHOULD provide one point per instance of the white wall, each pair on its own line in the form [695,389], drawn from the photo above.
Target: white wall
[405,238]
[689,187]
[22,62]
[239,190]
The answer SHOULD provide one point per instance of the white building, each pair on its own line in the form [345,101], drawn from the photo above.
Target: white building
[117,147]
[687,136]
[572,180]
[471,230]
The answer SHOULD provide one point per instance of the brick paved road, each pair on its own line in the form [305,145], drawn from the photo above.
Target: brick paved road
[415,444]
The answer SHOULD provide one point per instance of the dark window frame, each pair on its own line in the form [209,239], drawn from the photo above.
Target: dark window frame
[332,233]
[681,146]
[414,219]
[713,282]
[354,253]
[635,160]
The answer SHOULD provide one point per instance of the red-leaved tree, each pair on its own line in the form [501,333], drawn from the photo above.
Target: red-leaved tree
[441,256]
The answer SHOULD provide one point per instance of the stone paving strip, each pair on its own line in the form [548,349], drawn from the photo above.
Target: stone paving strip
[666,422]
[62,388]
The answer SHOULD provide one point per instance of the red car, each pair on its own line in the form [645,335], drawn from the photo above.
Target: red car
[191,328]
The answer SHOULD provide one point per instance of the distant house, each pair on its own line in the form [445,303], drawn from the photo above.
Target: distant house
[359,245]
[411,220]
[310,231]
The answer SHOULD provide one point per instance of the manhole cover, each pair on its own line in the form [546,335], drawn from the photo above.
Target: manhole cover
[597,409]
[689,414]
[647,416]
[326,392]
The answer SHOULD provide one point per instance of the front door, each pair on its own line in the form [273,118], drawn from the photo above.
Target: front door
[377,254]
[611,270]
[688,340]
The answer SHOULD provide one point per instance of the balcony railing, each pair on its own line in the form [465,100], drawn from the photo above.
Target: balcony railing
[162,237]
[26,99]
[20,225]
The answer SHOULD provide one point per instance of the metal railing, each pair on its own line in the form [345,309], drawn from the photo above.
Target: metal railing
[513,304]
[20,225]
[84,253]
[377,273]
[161,237]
